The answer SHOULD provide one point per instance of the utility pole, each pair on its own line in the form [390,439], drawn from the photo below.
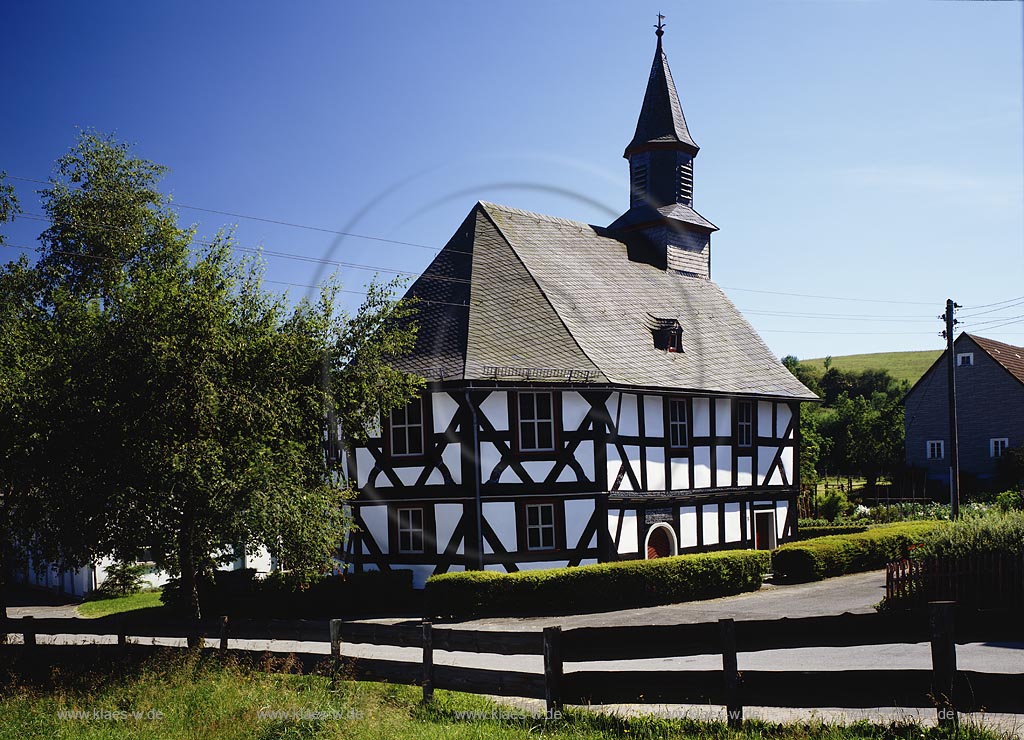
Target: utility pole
[954,458]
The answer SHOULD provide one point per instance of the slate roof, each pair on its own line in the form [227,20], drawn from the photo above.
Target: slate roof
[661,119]
[548,293]
[645,214]
[1007,355]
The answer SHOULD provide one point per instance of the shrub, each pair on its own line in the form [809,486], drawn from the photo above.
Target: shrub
[597,587]
[123,579]
[833,504]
[836,555]
[1010,501]
[813,531]
[996,532]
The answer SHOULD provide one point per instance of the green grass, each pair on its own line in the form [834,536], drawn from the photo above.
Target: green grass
[909,366]
[205,696]
[105,607]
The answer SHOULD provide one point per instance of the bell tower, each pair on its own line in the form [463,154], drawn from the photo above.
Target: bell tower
[660,157]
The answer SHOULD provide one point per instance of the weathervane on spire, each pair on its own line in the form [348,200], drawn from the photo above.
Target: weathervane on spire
[661,26]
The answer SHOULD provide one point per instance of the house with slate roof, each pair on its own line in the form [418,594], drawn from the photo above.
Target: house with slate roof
[989,406]
[593,395]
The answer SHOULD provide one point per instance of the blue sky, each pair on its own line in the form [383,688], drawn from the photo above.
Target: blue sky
[848,149]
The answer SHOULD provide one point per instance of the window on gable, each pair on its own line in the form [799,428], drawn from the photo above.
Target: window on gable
[935,449]
[666,332]
[407,430]
[744,423]
[997,446]
[540,526]
[964,359]
[536,421]
[410,530]
[678,423]
[638,183]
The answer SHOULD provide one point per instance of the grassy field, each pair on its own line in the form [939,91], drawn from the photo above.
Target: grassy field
[104,607]
[182,695]
[907,366]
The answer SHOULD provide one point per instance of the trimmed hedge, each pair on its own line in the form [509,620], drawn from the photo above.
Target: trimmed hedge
[836,555]
[599,587]
[811,532]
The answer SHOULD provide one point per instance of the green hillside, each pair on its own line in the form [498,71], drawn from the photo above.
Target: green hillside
[901,365]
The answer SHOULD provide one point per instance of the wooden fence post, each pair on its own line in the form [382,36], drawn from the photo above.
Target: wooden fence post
[943,661]
[122,633]
[224,634]
[28,631]
[428,661]
[730,672]
[553,670]
[335,649]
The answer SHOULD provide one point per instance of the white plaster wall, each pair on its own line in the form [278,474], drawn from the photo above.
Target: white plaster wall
[787,463]
[723,417]
[701,417]
[501,515]
[709,514]
[723,463]
[782,421]
[744,475]
[654,416]
[574,410]
[612,405]
[538,469]
[435,478]
[376,520]
[443,407]
[633,453]
[452,458]
[764,460]
[688,526]
[585,457]
[701,467]
[364,464]
[781,510]
[495,408]
[577,515]
[732,522]
[446,518]
[655,469]
[764,419]
[629,540]
[489,459]
[627,422]
[408,476]
[680,474]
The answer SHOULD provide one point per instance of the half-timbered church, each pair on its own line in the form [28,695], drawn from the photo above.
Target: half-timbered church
[593,395]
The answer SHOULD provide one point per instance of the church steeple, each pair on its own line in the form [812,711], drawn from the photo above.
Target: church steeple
[661,123]
[661,156]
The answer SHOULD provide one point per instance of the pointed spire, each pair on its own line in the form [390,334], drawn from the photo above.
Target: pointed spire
[661,123]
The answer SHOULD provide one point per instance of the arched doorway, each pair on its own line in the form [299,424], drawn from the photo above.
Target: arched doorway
[661,542]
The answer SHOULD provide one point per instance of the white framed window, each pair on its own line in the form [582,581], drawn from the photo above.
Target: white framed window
[410,530]
[536,421]
[935,449]
[744,423]
[997,446]
[964,359]
[678,423]
[407,430]
[540,526]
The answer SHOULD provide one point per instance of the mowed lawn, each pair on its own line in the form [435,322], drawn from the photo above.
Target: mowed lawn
[909,366]
[201,695]
[105,607]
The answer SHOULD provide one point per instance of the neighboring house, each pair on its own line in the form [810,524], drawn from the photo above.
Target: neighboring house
[592,394]
[989,407]
[80,582]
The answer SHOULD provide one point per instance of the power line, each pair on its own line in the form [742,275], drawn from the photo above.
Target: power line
[828,297]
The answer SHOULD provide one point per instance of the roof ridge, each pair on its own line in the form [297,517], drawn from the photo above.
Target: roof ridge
[533,214]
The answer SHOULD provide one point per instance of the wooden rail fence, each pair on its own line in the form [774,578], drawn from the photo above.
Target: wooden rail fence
[567,679]
[991,580]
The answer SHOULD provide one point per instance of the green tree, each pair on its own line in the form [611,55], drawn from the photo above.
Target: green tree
[871,437]
[185,406]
